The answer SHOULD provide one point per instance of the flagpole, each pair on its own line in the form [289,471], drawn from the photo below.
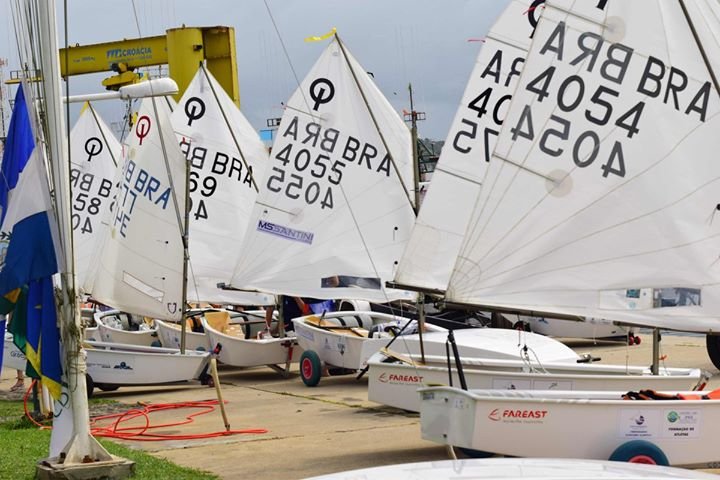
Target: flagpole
[82,446]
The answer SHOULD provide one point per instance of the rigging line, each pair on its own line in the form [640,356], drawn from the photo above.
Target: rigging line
[164,148]
[362,239]
[287,55]
[183,225]
[700,47]
[230,129]
[102,131]
[375,123]
[68,165]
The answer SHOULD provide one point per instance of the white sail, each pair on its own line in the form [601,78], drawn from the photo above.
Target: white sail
[603,183]
[437,235]
[94,154]
[140,264]
[332,217]
[224,180]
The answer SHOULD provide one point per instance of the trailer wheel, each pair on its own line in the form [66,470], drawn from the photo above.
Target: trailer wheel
[89,385]
[470,453]
[712,343]
[310,368]
[639,451]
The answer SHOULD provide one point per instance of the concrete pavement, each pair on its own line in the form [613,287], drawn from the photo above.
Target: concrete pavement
[332,427]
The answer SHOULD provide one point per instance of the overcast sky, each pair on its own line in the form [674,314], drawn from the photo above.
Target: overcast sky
[420,41]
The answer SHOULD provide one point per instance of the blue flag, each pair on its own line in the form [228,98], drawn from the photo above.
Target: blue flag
[27,250]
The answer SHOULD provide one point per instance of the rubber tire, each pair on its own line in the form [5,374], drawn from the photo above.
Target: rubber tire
[639,451]
[90,384]
[471,453]
[310,368]
[107,388]
[712,343]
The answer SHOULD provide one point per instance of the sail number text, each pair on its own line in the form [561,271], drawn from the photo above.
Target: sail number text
[308,176]
[89,193]
[578,103]
[208,169]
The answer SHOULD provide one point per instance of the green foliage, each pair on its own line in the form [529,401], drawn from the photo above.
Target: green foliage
[22,444]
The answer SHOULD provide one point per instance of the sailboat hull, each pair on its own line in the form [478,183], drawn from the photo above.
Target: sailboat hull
[242,352]
[520,423]
[115,364]
[251,322]
[115,335]
[492,359]
[345,348]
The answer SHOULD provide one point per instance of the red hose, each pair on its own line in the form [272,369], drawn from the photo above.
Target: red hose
[144,433]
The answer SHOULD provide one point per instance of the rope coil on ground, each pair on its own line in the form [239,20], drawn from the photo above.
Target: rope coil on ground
[144,432]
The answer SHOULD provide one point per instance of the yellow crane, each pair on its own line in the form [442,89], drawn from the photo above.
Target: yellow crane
[182,49]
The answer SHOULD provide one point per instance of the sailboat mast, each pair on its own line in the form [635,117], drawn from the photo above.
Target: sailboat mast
[415,156]
[186,257]
[83,445]
[416,186]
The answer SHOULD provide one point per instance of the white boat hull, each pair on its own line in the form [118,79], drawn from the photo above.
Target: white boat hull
[92,333]
[125,365]
[517,468]
[169,333]
[343,348]
[109,334]
[242,352]
[395,383]
[588,328]
[541,424]
[115,364]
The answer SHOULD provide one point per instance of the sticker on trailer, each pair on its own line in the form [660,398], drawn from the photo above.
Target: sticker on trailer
[511,384]
[639,423]
[680,424]
[552,385]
